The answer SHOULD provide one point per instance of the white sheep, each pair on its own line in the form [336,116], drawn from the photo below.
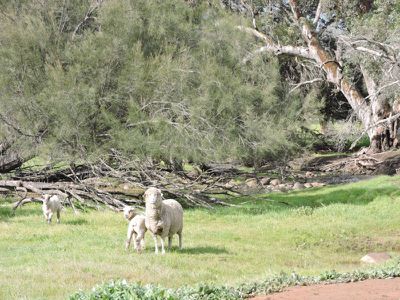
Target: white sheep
[163,218]
[136,228]
[51,204]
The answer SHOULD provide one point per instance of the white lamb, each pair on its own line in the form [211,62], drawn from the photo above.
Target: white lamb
[163,218]
[136,229]
[51,204]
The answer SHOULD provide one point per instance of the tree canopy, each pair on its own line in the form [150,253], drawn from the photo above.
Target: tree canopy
[159,79]
[175,80]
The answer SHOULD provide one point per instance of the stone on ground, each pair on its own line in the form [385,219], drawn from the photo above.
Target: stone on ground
[375,257]
[298,186]
[275,182]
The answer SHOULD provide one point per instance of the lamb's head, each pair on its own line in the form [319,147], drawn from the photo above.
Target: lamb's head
[129,212]
[153,196]
[46,198]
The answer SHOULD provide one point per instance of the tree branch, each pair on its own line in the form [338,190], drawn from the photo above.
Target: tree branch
[295,9]
[318,13]
[271,46]
[378,91]
[304,83]
[387,120]
[88,16]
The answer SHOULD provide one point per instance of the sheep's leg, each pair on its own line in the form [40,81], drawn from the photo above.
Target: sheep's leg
[162,245]
[169,242]
[58,216]
[180,239]
[156,243]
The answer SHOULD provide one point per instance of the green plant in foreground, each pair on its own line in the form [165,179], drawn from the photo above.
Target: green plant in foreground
[123,290]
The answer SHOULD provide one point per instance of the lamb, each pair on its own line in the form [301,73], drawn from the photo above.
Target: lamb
[51,204]
[136,229]
[163,218]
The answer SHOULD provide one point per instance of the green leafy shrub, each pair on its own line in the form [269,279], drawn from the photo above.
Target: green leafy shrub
[121,290]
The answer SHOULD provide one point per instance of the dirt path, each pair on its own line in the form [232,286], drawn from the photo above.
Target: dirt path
[387,289]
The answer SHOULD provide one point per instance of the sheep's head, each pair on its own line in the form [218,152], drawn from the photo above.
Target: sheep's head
[46,198]
[129,212]
[153,196]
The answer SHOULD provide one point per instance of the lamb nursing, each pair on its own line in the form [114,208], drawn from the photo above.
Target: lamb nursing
[51,204]
[163,218]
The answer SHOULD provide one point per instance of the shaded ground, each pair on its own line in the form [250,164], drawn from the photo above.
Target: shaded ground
[388,289]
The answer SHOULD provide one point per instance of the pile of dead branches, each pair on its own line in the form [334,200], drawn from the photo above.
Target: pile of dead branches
[121,183]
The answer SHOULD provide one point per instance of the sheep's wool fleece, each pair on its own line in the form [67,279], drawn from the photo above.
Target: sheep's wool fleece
[138,223]
[53,204]
[168,217]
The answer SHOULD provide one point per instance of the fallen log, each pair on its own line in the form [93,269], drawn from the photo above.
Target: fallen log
[79,192]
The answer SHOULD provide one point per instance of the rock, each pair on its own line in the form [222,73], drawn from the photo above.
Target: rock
[309,174]
[317,184]
[275,182]
[251,183]
[298,186]
[376,257]
[308,185]
[282,187]
[265,180]
[126,186]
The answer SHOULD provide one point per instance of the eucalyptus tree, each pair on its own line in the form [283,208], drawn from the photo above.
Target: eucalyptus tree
[353,45]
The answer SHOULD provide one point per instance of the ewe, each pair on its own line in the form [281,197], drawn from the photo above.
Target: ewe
[51,204]
[163,218]
[136,229]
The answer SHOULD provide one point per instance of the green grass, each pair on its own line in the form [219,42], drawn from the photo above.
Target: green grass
[306,232]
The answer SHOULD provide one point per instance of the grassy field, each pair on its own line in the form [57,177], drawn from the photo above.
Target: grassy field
[308,232]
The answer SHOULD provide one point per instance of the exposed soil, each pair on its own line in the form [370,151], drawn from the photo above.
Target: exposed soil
[388,289]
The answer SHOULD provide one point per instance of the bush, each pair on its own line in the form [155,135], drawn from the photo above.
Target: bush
[121,290]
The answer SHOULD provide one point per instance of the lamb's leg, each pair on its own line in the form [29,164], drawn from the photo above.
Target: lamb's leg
[129,235]
[180,239]
[58,216]
[134,238]
[138,240]
[169,242]
[156,243]
[50,215]
[162,245]
[143,244]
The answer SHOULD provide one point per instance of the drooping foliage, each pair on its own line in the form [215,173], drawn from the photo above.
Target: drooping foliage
[159,79]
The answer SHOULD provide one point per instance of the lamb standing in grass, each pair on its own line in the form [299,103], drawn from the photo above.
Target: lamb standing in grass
[51,204]
[163,218]
[136,229]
